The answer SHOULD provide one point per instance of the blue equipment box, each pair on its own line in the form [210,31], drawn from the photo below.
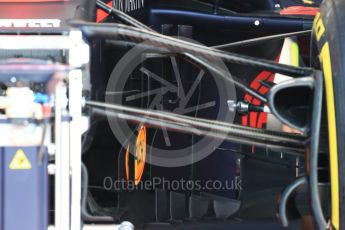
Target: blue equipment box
[23,189]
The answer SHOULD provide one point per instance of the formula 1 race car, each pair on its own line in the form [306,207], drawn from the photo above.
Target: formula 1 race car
[174,114]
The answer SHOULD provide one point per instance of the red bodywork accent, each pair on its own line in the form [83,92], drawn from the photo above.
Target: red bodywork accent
[101,15]
[255,119]
[300,10]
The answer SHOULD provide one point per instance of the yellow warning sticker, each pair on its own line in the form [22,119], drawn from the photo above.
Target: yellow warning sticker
[20,161]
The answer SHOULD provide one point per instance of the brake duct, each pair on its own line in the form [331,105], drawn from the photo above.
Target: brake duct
[290,101]
[311,88]
[292,111]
